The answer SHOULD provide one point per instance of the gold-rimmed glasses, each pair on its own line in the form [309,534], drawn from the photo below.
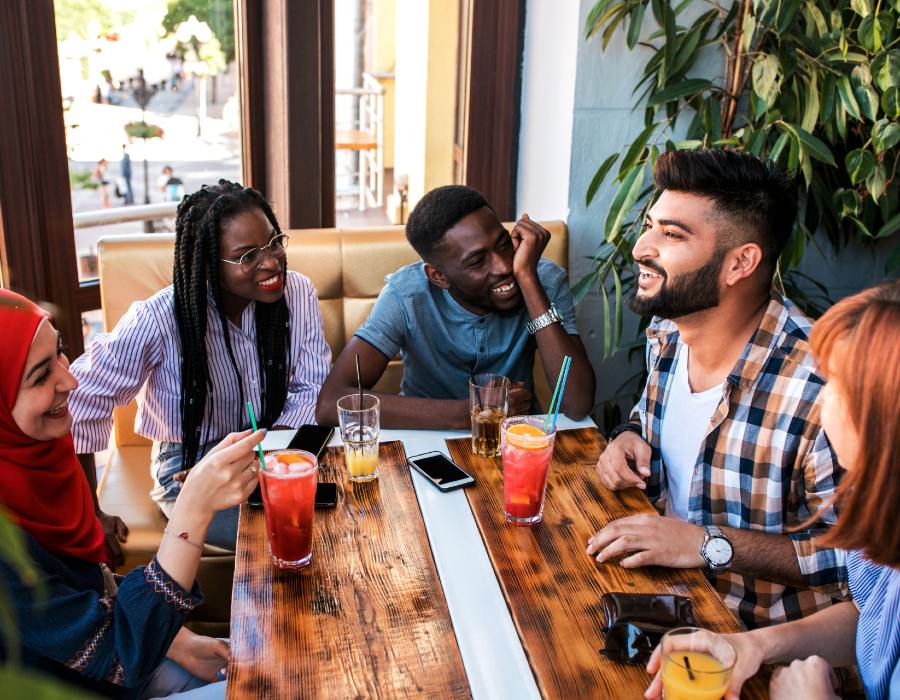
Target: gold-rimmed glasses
[252,259]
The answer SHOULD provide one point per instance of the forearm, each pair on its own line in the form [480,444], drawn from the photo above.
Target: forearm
[829,633]
[554,343]
[397,411]
[180,557]
[90,471]
[765,555]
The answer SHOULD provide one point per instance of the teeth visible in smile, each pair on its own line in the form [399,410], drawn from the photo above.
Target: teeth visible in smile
[504,288]
[647,275]
[271,282]
[57,409]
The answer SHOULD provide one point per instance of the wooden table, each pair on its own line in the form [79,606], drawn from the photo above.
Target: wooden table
[366,619]
[553,588]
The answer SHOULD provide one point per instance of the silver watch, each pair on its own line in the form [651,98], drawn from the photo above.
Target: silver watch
[551,315]
[716,549]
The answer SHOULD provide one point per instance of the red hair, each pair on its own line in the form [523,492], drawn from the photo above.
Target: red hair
[857,343]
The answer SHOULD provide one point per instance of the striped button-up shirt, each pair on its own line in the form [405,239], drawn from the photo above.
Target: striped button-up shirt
[141,358]
[764,462]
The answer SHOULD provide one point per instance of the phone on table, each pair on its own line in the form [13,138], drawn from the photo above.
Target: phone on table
[440,470]
[313,439]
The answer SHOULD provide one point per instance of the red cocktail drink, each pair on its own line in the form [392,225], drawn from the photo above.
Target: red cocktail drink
[288,484]
[526,450]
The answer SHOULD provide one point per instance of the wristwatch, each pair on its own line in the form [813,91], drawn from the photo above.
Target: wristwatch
[551,315]
[716,549]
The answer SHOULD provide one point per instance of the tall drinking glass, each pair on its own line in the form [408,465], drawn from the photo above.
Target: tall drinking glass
[288,484]
[696,664]
[488,403]
[360,425]
[526,450]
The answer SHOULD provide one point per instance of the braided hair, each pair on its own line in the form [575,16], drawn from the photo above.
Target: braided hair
[198,226]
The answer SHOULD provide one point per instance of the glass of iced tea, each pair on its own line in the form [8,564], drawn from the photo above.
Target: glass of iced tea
[360,425]
[526,449]
[696,664]
[488,404]
[288,484]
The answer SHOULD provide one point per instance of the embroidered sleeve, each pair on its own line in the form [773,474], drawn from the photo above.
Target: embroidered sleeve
[166,587]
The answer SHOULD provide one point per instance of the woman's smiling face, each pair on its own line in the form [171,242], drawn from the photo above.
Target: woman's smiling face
[41,410]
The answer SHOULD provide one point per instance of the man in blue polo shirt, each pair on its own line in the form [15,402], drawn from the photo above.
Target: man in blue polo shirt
[481,300]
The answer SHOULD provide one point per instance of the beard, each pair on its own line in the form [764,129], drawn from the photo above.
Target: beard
[688,293]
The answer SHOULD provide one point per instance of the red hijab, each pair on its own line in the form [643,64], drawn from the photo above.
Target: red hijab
[42,483]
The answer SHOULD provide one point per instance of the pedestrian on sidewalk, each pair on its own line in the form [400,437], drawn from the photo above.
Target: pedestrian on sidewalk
[125,172]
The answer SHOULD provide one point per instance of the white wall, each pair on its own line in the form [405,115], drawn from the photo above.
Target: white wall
[548,96]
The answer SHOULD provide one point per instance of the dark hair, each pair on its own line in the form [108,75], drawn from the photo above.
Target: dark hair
[754,195]
[439,211]
[198,226]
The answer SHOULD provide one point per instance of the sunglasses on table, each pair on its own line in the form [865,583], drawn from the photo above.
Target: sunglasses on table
[252,259]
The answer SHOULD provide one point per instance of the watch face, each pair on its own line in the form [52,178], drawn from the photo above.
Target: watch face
[718,551]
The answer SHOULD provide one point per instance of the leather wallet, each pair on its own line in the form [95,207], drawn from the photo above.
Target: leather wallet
[657,609]
[635,622]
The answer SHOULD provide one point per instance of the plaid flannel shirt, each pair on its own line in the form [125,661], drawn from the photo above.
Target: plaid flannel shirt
[764,464]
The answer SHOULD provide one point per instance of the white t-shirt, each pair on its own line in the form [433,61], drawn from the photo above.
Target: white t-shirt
[684,426]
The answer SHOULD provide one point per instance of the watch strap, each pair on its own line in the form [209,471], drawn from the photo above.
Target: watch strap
[624,428]
[551,315]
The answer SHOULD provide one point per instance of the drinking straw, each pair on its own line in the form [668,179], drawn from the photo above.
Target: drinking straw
[359,383]
[559,379]
[687,665]
[262,459]
[562,389]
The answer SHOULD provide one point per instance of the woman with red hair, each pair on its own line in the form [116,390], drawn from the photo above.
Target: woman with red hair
[857,343]
[118,636]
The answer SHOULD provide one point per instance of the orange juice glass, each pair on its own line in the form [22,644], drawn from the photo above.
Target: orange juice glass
[696,664]
[526,451]
[288,484]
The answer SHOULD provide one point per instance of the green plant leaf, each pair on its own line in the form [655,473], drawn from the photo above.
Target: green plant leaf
[816,148]
[890,102]
[671,38]
[886,69]
[607,321]
[688,145]
[592,23]
[617,282]
[623,201]
[619,14]
[861,7]
[583,286]
[815,18]
[636,149]
[827,99]
[873,30]
[811,105]
[849,201]
[634,28]
[749,29]
[780,143]
[860,164]
[766,75]
[890,227]
[867,99]
[892,264]
[861,226]
[845,90]
[679,90]
[877,181]
[24,683]
[687,50]
[885,135]
[597,180]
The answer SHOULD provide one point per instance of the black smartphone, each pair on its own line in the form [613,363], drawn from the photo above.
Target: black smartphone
[440,470]
[313,439]
[326,494]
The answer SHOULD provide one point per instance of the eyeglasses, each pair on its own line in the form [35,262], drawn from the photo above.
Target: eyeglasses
[252,259]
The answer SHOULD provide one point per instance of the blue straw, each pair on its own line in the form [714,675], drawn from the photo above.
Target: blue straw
[262,459]
[567,363]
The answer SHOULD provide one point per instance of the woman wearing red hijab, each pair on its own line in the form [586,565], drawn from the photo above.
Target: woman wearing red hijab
[119,636]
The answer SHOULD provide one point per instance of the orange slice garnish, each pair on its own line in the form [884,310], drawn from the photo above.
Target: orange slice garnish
[528,434]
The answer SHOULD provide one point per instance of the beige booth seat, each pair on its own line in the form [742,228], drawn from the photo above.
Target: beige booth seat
[347,266]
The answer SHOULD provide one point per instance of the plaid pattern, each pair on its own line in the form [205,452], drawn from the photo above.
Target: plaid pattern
[765,463]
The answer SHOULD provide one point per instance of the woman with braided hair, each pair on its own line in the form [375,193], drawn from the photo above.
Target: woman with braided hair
[235,326]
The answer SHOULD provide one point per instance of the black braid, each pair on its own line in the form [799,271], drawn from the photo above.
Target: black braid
[198,226]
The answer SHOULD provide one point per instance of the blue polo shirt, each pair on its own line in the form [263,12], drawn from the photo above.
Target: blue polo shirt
[442,344]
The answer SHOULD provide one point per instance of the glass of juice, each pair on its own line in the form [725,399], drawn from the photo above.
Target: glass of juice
[526,450]
[360,425]
[488,403]
[288,484]
[696,664]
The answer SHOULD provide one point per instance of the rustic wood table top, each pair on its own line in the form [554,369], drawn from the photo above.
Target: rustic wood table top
[553,588]
[366,619]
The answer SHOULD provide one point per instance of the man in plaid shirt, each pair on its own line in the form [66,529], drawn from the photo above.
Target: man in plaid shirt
[727,437]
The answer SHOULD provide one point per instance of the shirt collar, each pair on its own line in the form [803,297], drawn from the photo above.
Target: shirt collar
[756,353]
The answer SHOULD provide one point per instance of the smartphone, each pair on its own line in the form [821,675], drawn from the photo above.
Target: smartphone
[313,439]
[440,470]
[326,494]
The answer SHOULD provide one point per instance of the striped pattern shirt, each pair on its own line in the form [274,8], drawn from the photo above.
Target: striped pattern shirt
[876,592]
[141,358]
[764,462]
